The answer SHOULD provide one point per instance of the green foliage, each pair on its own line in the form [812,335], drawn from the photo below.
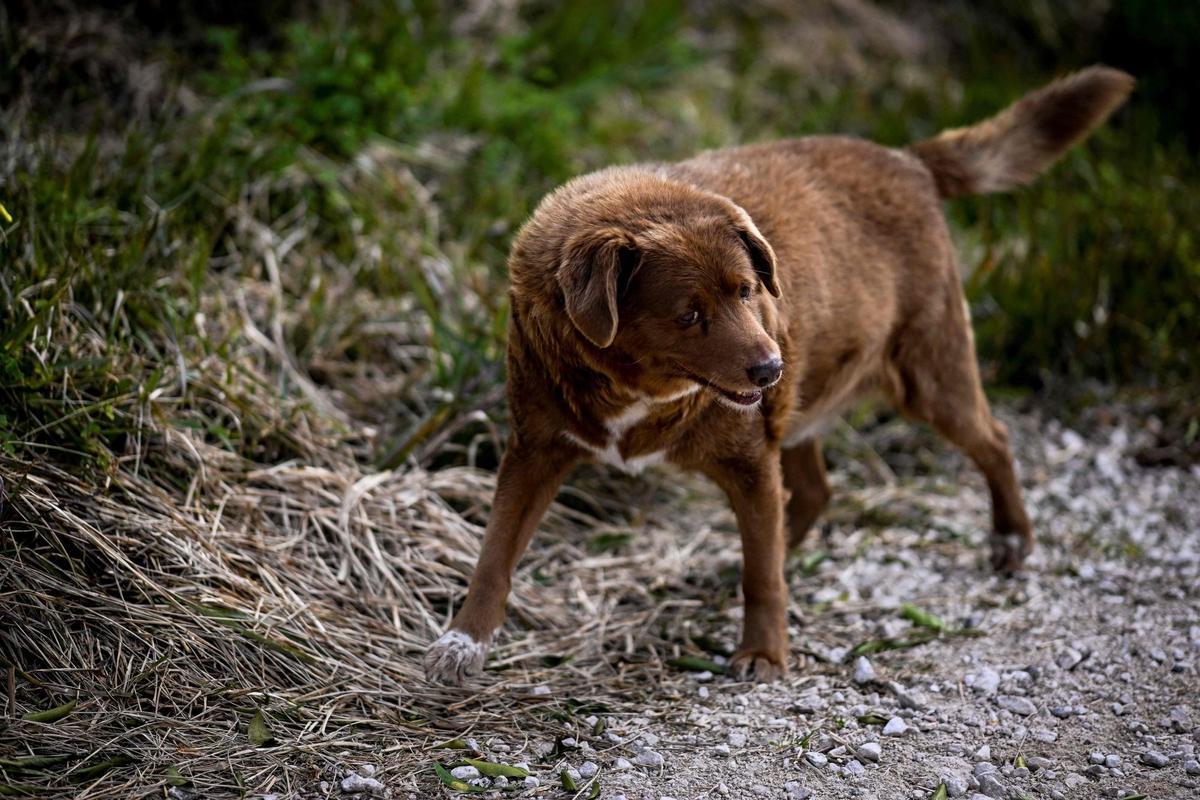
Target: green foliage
[401,150]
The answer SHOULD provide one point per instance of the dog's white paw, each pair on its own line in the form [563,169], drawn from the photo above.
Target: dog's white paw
[453,657]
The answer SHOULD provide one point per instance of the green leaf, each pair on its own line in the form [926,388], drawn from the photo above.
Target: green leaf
[454,783]
[922,618]
[608,542]
[102,767]
[697,664]
[595,792]
[259,732]
[51,714]
[492,769]
[810,562]
[452,744]
[175,777]
[32,763]
[568,782]
[872,719]
[940,793]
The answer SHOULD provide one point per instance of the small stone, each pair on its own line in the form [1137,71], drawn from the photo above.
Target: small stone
[588,769]
[622,764]
[809,704]
[1022,706]
[855,768]
[530,782]
[648,758]
[984,753]
[1112,761]
[1191,766]
[357,783]
[794,791]
[1039,763]
[1153,758]
[1096,758]
[499,782]
[737,739]
[569,741]
[722,749]
[760,790]
[1062,712]
[990,785]
[986,681]
[465,773]
[869,751]
[955,786]
[816,759]
[906,698]
[895,727]
[1068,659]
[864,672]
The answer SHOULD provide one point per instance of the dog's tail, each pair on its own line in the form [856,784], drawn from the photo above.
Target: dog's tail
[1013,147]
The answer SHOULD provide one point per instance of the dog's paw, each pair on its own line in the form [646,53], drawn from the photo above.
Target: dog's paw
[453,657]
[758,666]
[1009,551]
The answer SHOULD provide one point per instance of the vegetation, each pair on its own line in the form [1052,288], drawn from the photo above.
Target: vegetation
[235,240]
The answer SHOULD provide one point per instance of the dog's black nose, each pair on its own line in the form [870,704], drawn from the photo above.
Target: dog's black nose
[766,373]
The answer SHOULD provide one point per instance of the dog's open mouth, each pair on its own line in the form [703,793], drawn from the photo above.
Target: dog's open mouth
[741,398]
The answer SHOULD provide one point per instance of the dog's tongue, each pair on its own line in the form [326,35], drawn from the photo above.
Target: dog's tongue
[745,398]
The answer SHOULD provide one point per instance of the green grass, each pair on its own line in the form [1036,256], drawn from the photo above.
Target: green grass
[384,160]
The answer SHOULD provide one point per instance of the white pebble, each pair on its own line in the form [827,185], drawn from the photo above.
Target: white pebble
[648,758]
[465,773]
[864,671]
[895,727]
[588,769]
[869,751]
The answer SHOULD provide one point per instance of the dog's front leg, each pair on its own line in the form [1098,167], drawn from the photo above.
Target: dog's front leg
[755,489]
[528,480]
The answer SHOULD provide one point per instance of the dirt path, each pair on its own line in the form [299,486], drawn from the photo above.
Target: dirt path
[1076,679]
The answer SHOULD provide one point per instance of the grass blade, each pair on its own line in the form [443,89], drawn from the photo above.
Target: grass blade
[454,783]
[492,769]
[51,714]
[922,618]
[697,664]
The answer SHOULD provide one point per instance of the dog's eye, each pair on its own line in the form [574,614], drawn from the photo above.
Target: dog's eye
[690,318]
[745,291]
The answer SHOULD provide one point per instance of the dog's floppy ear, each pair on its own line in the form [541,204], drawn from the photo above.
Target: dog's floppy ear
[762,257]
[591,274]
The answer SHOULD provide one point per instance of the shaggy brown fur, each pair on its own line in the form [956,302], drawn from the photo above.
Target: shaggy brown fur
[717,313]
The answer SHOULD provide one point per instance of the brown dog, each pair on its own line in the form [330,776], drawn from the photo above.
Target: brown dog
[718,313]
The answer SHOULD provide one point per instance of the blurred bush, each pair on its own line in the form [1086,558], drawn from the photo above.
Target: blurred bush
[389,150]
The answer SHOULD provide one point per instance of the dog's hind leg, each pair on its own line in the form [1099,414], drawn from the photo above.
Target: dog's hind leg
[804,477]
[528,480]
[935,380]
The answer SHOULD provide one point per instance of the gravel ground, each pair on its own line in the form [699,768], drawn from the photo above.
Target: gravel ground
[1080,683]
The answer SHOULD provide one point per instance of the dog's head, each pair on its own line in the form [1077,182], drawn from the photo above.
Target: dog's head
[680,293]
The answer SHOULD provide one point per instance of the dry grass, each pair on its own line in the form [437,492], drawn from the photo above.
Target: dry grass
[308,592]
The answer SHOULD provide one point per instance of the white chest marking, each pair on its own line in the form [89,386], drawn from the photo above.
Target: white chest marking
[619,425]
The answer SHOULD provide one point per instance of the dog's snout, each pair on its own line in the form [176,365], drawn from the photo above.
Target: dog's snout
[766,373]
